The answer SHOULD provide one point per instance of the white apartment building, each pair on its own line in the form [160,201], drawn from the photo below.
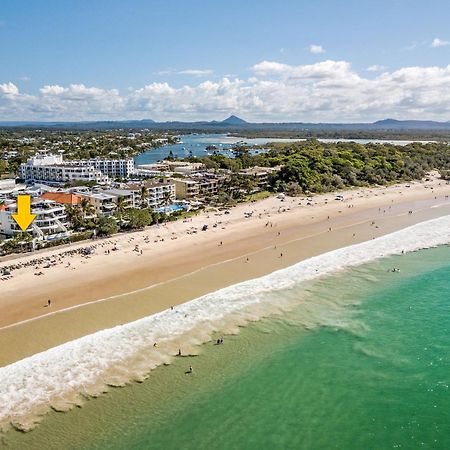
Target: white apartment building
[52,170]
[158,193]
[50,222]
[114,168]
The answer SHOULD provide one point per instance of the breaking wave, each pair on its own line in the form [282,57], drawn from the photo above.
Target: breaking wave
[65,376]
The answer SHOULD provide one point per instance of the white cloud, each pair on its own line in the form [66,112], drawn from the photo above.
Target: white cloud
[190,72]
[267,67]
[326,91]
[195,72]
[9,89]
[376,68]
[439,43]
[316,49]
[52,90]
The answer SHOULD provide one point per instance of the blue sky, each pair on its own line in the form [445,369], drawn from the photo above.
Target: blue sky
[117,59]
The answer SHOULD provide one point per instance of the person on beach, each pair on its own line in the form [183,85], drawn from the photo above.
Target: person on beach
[179,352]
[49,302]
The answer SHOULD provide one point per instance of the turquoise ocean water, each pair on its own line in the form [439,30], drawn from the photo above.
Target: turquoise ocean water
[362,362]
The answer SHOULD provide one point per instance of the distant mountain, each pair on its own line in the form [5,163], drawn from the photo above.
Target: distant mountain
[236,124]
[234,120]
[393,124]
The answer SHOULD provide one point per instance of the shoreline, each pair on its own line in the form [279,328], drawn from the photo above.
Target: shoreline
[301,237]
[64,376]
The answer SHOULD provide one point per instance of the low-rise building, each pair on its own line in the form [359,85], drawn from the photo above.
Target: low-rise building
[102,203]
[185,167]
[208,186]
[127,195]
[200,185]
[260,174]
[186,188]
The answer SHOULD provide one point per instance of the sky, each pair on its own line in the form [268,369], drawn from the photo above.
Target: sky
[271,60]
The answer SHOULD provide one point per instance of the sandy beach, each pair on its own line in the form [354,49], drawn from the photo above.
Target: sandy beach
[134,275]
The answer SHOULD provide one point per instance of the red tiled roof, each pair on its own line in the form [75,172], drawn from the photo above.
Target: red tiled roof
[62,197]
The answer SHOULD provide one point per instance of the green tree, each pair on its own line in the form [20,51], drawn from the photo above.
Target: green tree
[75,216]
[106,226]
[138,218]
[86,207]
[120,208]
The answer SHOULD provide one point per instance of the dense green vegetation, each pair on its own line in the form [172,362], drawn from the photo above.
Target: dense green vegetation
[392,134]
[313,166]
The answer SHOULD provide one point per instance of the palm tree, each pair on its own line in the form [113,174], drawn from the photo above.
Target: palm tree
[75,216]
[120,207]
[144,196]
[86,207]
[167,198]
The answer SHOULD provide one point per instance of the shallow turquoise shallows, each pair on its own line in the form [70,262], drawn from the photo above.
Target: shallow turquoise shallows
[361,363]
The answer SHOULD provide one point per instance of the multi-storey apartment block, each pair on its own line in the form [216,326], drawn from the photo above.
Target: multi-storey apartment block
[50,222]
[52,170]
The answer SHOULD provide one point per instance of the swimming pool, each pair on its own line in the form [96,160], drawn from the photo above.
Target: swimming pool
[174,207]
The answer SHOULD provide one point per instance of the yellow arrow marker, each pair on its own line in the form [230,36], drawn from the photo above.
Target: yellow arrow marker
[24,218]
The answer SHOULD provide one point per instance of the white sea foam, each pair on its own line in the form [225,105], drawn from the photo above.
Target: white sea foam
[62,376]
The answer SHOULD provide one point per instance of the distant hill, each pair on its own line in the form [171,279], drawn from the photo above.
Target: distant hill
[393,124]
[234,120]
[236,124]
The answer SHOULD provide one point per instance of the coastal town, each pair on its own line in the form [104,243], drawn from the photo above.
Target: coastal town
[76,199]
[84,185]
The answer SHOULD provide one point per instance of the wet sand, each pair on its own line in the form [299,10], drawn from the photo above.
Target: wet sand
[173,271]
